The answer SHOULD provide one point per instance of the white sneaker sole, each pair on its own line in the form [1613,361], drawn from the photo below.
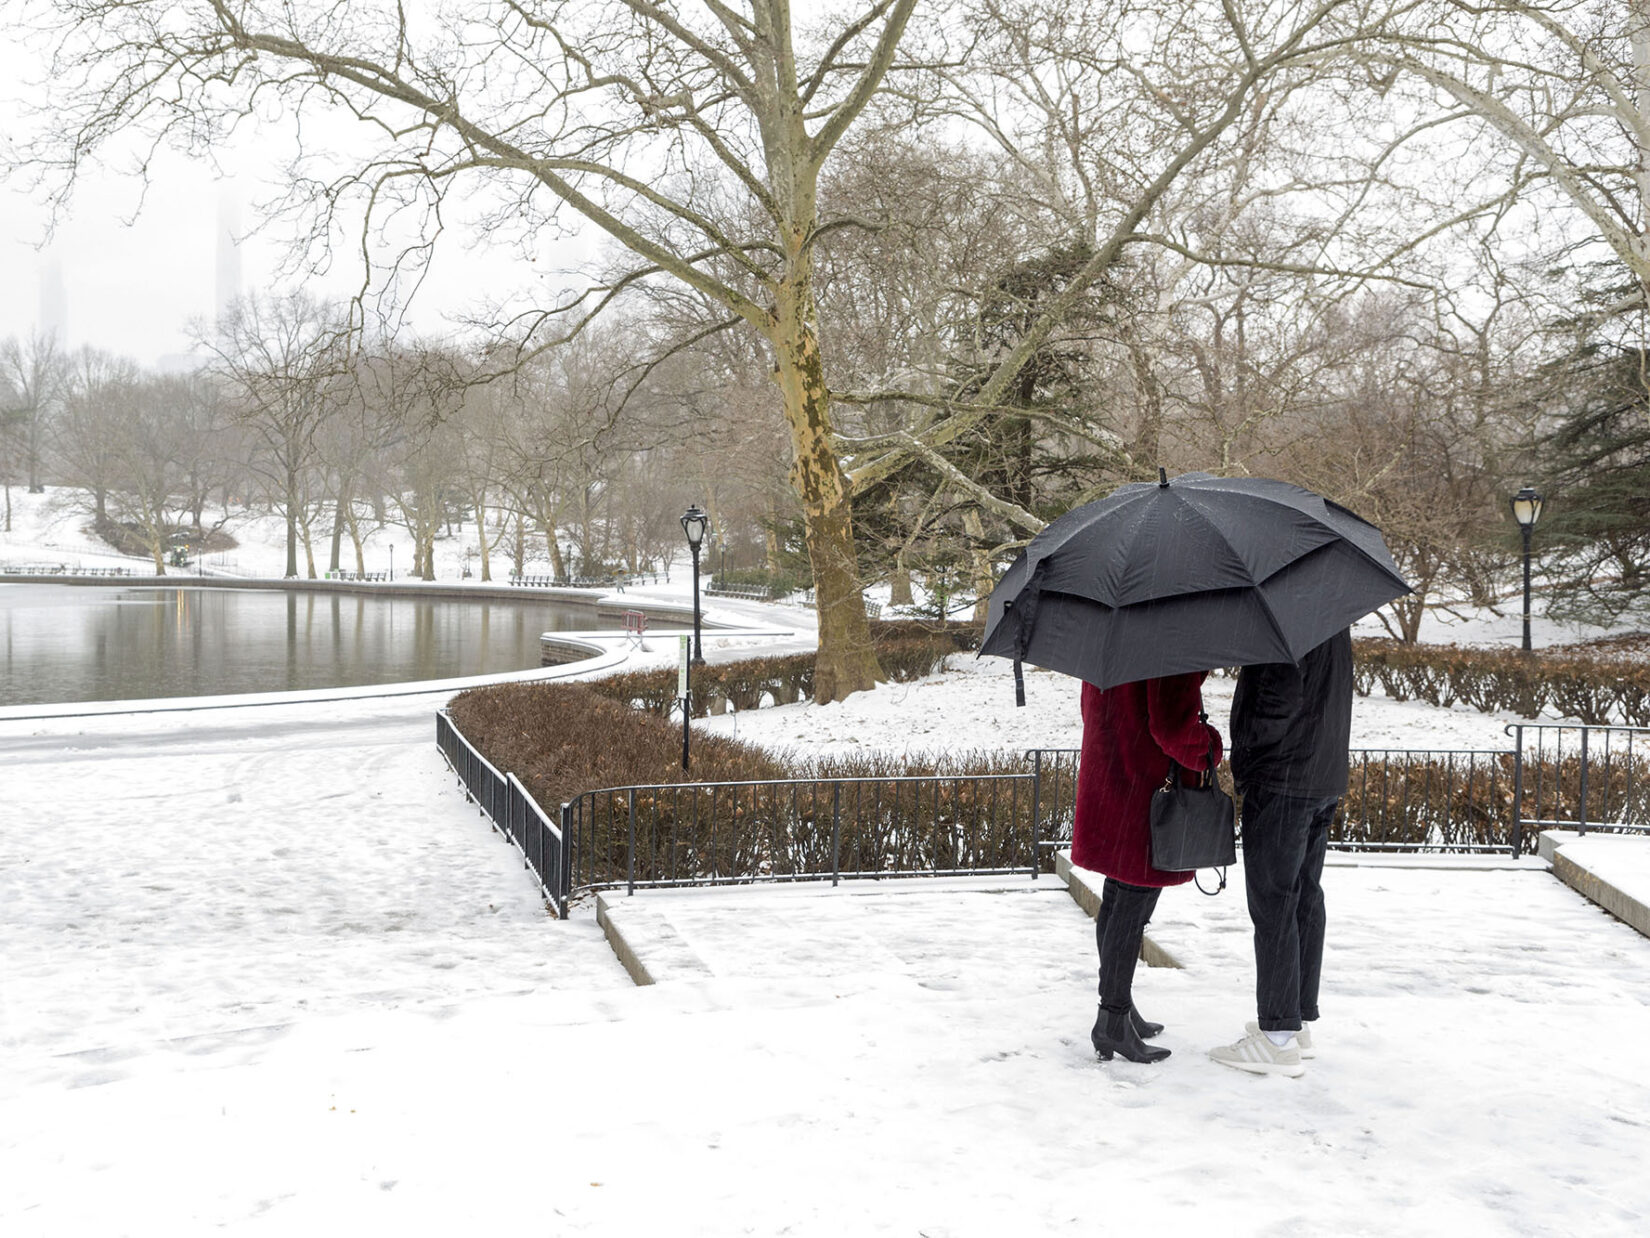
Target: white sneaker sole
[1287,1070]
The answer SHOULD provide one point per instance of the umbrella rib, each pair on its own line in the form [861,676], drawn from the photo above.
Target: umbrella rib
[1221,535]
[1277,628]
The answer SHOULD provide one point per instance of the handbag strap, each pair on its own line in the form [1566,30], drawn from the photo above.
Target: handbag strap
[1210,775]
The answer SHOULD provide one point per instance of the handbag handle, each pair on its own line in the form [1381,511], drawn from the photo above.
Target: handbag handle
[1206,777]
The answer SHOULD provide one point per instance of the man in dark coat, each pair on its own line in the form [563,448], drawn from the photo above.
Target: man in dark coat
[1291,725]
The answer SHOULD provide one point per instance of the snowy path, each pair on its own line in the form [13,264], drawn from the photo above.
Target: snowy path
[264,970]
[162,883]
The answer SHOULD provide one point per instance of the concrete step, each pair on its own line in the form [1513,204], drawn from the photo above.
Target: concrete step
[1610,870]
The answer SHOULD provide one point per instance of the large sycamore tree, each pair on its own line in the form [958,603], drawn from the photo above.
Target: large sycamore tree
[694,135]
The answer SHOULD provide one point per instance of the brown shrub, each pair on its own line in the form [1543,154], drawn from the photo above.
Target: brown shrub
[562,739]
[1597,688]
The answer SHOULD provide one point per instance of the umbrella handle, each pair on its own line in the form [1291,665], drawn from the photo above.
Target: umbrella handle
[1019,684]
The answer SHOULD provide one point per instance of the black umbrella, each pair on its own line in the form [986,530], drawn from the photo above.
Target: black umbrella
[1160,578]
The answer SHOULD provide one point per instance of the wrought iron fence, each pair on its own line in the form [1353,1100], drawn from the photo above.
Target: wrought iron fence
[501,797]
[1397,800]
[1582,777]
[1428,799]
[1452,800]
[801,829]
[1054,794]
[60,569]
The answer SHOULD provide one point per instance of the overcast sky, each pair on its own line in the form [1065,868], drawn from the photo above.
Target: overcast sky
[132,285]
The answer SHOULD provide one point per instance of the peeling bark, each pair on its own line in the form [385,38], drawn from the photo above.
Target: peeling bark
[847,661]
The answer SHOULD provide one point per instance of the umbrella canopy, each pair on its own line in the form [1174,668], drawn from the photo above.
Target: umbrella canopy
[1160,578]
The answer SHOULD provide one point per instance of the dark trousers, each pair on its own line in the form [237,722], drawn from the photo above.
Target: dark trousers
[1284,841]
[1124,911]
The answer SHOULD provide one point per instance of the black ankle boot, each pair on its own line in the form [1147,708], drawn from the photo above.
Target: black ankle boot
[1114,1033]
[1144,1028]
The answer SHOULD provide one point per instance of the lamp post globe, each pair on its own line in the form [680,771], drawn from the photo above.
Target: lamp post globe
[1526,509]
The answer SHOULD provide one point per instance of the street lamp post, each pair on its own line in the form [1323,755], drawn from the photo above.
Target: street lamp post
[694,523]
[1526,509]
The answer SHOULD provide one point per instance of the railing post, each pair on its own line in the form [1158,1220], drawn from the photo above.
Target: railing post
[564,879]
[836,832]
[1036,812]
[1581,808]
[630,851]
[1518,792]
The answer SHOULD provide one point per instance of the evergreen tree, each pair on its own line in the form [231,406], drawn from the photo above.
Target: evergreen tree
[1596,476]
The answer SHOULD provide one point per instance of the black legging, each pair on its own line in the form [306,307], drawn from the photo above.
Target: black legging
[1124,912]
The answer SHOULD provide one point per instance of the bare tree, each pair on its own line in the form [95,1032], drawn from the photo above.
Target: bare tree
[283,361]
[154,442]
[1563,89]
[33,370]
[84,433]
[695,140]
[1108,113]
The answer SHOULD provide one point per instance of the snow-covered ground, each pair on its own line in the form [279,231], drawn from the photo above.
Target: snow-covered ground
[264,970]
[971,704]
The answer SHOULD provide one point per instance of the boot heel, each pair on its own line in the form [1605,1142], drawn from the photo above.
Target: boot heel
[1114,1033]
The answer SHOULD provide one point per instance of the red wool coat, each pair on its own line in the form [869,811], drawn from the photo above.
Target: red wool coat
[1130,732]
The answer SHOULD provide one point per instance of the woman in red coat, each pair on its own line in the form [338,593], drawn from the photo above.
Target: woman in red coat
[1130,735]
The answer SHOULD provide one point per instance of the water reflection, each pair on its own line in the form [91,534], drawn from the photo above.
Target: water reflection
[67,643]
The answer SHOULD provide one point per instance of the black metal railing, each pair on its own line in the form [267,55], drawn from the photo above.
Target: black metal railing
[618,581]
[1428,799]
[60,569]
[516,814]
[1582,777]
[681,834]
[784,830]
[1398,800]
[1054,796]
[750,593]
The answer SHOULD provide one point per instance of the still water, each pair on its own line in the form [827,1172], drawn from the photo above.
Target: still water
[76,643]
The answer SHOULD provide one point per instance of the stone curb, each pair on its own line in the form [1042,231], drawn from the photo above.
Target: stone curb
[638,928]
[1087,895]
[1594,888]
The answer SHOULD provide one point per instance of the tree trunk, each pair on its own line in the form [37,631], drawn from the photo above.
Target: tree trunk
[483,543]
[847,661]
[34,452]
[980,559]
[899,586]
[291,523]
[334,559]
[558,561]
[770,539]
[355,540]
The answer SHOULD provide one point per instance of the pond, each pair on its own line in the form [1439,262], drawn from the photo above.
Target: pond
[78,643]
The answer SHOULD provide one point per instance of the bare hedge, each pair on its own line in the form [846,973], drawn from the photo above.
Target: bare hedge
[908,650]
[1596,688]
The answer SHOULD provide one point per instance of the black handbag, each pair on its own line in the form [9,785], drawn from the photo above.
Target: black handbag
[1192,827]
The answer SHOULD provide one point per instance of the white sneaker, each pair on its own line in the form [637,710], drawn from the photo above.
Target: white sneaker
[1303,1039]
[1258,1055]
